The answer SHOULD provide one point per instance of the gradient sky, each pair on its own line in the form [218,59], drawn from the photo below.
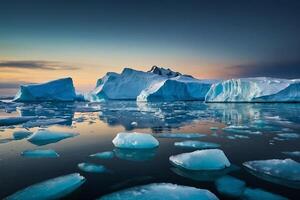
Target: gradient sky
[42,40]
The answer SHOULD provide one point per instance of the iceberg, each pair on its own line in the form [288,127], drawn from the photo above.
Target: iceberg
[19,135]
[230,186]
[196,144]
[92,168]
[55,188]
[8,121]
[103,155]
[161,191]
[179,135]
[254,194]
[40,153]
[44,137]
[209,159]
[135,140]
[260,89]
[57,90]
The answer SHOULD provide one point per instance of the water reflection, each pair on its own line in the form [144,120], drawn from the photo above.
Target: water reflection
[135,154]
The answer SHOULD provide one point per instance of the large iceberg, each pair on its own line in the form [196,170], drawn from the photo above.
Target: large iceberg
[135,140]
[260,89]
[161,191]
[209,159]
[55,188]
[57,90]
[158,84]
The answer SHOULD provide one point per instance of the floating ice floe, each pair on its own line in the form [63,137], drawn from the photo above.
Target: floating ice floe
[40,153]
[161,191]
[44,122]
[285,172]
[57,90]
[43,137]
[8,121]
[103,155]
[288,135]
[135,154]
[292,153]
[255,194]
[209,159]
[19,135]
[55,188]
[93,168]
[196,144]
[230,186]
[135,140]
[240,130]
[179,135]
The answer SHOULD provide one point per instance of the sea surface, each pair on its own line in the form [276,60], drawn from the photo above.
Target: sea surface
[98,123]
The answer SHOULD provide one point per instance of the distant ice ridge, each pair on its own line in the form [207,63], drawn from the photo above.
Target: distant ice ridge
[161,191]
[158,84]
[260,89]
[57,90]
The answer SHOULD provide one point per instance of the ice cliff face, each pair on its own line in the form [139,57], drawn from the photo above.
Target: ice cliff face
[261,89]
[57,90]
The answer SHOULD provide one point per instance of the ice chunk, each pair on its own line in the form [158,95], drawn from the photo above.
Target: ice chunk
[196,144]
[230,186]
[286,169]
[135,141]
[161,191]
[179,135]
[51,189]
[8,121]
[43,137]
[40,153]
[209,159]
[292,153]
[214,128]
[44,122]
[103,155]
[19,135]
[135,154]
[93,168]
[255,194]
[57,90]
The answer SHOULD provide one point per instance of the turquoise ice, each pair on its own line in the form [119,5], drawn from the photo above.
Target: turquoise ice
[135,140]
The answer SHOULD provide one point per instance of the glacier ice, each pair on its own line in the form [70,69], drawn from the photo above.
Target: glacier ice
[103,155]
[135,140]
[179,135]
[208,159]
[255,194]
[161,191]
[260,89]
[55,188]
[196,144]
[7,121]
[56,90]
[135,154]
[40,153]
[230,186]
[19,135]
[286,169]
[44,137]
[93,168]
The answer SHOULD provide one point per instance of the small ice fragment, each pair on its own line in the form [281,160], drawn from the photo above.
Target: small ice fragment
[103,155]
[286,169]
[19,135]
[40,153]
[196,144]
[209,159]
[167,191]
[43,137]
[7,121]
[230,186]
[93,168]
[289,135]
[255,194]
[135,140]
[214,128]
[45,122]
[134,124]
[55,188]
[179,135]
[292,153]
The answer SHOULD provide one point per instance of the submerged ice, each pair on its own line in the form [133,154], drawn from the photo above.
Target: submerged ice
[40,153]
[230,186]
[91,167]
[103,155]
[135,140]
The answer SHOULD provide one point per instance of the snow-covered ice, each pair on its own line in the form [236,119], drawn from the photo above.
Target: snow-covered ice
[93,168]
[208,159]
[230,186]
[103,155]
[55,188]
[56,90]
[161,191]
[179,135]
[196,144]
[8,121]
[43,137]
[133,140]
[255,194]
[40,153]
[22,134]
